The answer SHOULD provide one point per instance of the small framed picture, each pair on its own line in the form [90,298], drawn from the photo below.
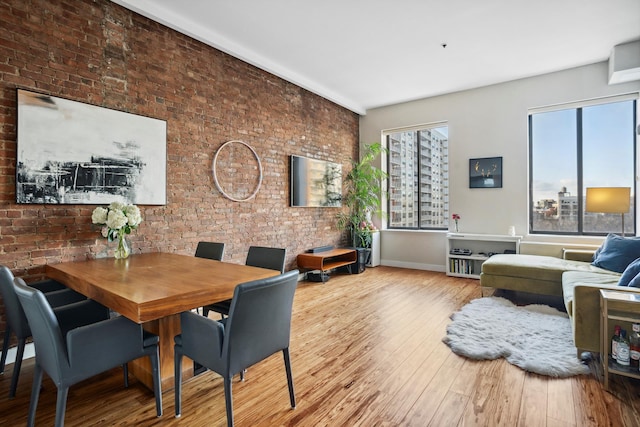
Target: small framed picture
[485,172]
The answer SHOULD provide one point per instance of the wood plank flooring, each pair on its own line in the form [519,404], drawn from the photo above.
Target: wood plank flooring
[366,351]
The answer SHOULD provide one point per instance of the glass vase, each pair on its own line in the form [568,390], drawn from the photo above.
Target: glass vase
[122,250]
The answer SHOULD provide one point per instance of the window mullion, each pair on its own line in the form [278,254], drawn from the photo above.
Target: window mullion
[418,173]
[580,176]
[531,201]
[389,178]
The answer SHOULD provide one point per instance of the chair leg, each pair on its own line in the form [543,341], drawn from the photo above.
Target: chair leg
[228,400]
[125,371]
[287,366]
[35,394]
[155,371]
[177,360]
[61,405]
[16,367]
[5,348]
[205,312]
[244,371]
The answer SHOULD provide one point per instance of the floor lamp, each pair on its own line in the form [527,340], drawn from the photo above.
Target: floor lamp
[609,200]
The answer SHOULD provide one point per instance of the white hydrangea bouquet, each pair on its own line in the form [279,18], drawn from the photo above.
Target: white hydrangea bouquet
[117,220]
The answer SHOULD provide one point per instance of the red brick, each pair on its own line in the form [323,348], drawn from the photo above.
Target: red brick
[97,52]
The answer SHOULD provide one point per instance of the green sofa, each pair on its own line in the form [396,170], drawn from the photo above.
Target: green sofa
[571,277]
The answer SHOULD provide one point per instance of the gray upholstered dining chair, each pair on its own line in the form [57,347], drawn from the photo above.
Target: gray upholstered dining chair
[16,322]
[72,354]
[210,250]
[259,325]
[257,256]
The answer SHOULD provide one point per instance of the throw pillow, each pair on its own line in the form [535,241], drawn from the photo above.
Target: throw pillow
[630,273]
[597,252]
[617,253]
[635,282]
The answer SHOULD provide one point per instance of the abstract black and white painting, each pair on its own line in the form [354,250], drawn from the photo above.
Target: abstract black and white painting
[75,153]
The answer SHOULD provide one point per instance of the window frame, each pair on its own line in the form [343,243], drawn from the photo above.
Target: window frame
[386,134]
[579,107]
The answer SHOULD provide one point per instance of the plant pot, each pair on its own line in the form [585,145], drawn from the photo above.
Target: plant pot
[361,262]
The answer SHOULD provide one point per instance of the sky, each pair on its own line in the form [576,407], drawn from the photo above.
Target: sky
[607,149]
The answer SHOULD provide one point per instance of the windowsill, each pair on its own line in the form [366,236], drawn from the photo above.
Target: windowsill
[402,230]
[562,237]
[529,238]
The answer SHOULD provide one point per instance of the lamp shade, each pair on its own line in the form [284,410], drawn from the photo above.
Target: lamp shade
[608,199]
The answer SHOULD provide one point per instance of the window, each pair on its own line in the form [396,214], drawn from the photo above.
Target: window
[418,181]
[575,147]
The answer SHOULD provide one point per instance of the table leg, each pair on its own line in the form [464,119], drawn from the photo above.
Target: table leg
[166,328]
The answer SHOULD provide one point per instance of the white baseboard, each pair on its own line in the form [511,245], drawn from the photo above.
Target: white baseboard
[29,352]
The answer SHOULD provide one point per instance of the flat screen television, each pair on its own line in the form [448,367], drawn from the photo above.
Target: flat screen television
[315,183]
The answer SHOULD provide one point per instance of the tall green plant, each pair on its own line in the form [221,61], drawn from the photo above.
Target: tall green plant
[363,195]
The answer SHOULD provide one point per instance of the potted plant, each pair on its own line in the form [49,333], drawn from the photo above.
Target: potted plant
[363,197]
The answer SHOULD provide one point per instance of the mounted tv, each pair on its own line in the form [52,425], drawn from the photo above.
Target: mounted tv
[315,183]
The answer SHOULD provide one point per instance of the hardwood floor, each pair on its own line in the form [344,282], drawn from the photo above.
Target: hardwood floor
[366,351]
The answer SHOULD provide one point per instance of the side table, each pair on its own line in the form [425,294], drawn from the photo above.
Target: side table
[621,307]
[327,260]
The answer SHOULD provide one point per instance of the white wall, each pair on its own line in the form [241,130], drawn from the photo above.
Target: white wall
[485,122]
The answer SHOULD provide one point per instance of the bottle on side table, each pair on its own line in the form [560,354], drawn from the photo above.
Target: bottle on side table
[623,349]
[615,341]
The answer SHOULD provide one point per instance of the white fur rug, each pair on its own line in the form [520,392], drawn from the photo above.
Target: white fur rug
[537,338]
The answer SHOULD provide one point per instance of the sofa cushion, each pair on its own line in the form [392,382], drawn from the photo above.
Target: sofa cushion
[617,252]
[630,273]
[572,278]
[539,267]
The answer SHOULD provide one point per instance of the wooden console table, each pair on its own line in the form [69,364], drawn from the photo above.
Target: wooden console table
[327,260]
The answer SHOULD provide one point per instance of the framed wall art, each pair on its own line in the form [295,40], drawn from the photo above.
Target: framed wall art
[485,172]
[69,152]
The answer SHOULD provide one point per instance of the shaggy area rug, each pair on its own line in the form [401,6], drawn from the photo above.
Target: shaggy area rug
[537,338]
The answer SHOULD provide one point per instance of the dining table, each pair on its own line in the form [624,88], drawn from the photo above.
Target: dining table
[152,289]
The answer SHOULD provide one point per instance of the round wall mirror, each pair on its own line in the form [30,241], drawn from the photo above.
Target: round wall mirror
[237,171]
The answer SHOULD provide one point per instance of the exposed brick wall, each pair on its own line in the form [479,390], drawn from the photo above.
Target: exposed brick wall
[100,53]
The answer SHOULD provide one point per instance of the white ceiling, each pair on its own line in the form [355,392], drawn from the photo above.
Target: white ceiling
[363,54]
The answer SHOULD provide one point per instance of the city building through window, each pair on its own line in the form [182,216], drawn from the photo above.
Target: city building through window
[418,177]
[575,147]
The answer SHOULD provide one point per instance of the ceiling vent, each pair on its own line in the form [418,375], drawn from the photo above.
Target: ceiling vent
[624,63]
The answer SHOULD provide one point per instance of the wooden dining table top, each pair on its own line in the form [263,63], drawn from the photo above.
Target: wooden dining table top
[151,286]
